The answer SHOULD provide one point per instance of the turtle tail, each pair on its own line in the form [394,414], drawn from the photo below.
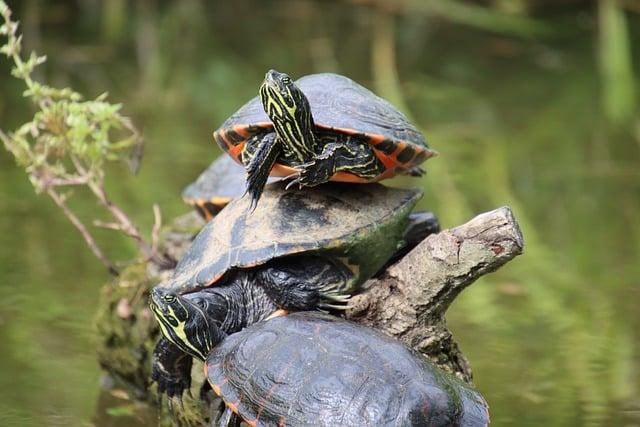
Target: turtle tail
[259,167]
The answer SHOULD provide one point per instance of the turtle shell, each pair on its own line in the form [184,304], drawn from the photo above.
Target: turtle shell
[360,226]
[223,181]
[310,368]
[340,105]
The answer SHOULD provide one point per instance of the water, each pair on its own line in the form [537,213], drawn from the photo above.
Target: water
[552,337]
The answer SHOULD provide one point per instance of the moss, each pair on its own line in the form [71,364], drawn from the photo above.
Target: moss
[126,329]
[127,332]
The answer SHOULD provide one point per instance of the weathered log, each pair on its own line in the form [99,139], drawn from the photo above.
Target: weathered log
[407,301]
[411,297]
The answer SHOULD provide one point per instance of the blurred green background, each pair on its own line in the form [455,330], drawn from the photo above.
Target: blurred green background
[531,104]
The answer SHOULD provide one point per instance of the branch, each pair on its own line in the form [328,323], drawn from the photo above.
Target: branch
[127,227]
[410,299]
[59,200]
[68,129]
[157,226]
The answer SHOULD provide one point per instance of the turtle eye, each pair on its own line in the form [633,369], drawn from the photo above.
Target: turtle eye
[169,298]
[286,80]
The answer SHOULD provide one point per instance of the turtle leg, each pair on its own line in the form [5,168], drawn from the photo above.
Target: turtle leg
[262,153]
[171,369]
[345,155]
[305,283]
[421,225]
[236,304]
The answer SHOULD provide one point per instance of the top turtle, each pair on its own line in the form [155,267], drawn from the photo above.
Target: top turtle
[322,127]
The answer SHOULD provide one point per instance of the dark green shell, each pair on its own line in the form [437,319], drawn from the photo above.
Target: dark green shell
[359,225]
[309,368]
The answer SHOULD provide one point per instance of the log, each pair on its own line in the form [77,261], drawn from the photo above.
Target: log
[411,297]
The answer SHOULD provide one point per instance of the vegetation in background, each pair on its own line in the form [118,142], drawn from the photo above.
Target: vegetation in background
[67,143]
[616,64]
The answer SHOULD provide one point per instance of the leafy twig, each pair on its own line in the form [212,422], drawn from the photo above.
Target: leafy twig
[68,142]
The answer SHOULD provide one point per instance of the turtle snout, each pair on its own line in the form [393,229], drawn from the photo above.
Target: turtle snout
[160,298]
[277,79]
[271,75]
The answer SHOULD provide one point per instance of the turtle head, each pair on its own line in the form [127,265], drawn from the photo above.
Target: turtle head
[183,323]
[290,112]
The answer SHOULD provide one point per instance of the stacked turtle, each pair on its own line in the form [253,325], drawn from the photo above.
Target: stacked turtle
[247,295]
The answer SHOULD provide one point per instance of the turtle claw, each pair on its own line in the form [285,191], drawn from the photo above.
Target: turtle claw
[310,174]
[295,179]
[171,402]
[255,194]
[170,386]
[337,298]
[333,306]
[292,183]
[254,203]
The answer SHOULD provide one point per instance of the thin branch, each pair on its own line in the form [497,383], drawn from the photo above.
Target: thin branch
[45,143]
[108,225]
[127,226]
[93,245]
[155,232]
[46,180]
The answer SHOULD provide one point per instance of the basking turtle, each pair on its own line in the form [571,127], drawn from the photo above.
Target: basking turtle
[299,250]
[322,127]
[310,368]
[223,181]
[344,374]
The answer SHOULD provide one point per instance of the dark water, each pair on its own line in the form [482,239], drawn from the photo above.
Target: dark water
[553,337]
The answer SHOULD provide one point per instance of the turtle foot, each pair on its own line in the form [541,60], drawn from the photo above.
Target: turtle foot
[170,385]
[313,173]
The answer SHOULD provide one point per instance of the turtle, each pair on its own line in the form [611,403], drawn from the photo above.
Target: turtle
[345,374]
[322,127]
[310,368]
[301,249]
[221,182]
[214,188]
